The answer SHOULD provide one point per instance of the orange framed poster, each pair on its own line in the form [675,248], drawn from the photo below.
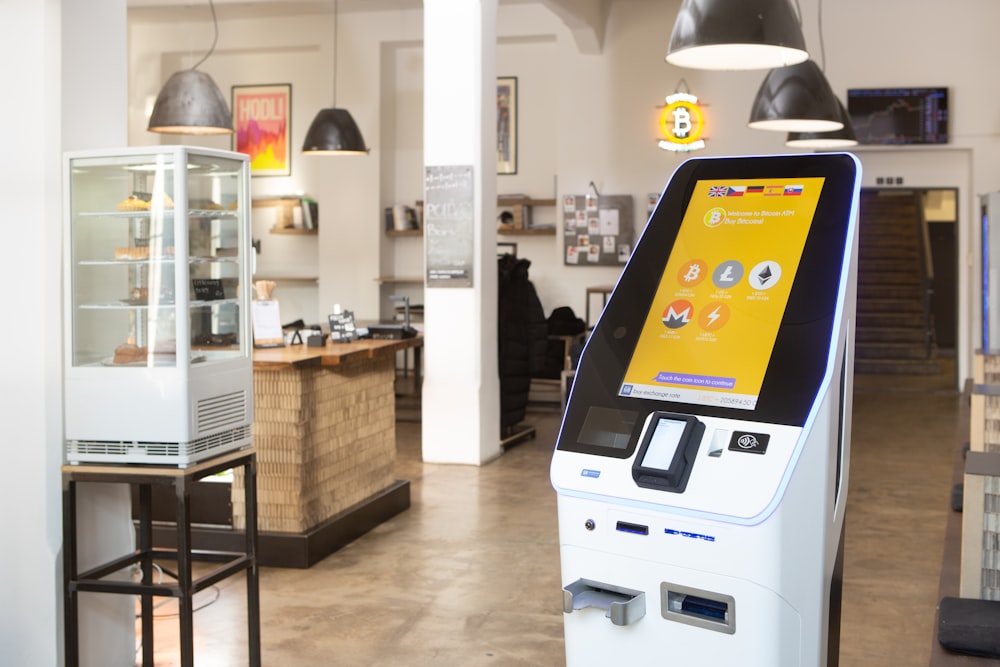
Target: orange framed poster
[262,127]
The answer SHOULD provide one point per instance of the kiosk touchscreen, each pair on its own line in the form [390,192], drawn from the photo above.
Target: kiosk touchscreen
[701,466]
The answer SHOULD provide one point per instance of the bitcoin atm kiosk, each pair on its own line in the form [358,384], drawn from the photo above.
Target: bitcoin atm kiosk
[701,467]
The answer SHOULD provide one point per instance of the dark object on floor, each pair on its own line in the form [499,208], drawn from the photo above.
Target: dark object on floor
[564,322]
[957,494]
[970,626]
[522,337]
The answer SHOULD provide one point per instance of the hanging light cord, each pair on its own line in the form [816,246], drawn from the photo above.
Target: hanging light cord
[336,43]
[215,40]
[822,48]
[819,21]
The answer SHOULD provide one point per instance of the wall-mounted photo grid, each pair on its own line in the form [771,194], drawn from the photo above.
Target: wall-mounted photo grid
[597,229]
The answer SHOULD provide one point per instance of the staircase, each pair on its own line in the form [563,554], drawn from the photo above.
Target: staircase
[894,334]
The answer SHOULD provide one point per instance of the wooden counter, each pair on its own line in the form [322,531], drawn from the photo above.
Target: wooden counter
[951,560]
[331,354]
[324,431]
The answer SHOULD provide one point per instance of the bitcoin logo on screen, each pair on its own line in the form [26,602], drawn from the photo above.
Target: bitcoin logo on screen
[715,216]
[692,272]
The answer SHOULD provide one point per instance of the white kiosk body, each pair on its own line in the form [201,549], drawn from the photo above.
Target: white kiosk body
[702,464]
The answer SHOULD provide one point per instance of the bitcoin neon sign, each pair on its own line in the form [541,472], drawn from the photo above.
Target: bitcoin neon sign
[681,124]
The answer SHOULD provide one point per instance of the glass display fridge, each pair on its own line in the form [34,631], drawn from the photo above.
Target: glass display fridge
[158,348]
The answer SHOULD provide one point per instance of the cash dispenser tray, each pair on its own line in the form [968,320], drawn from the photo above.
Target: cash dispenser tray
[697,607]
[623,606]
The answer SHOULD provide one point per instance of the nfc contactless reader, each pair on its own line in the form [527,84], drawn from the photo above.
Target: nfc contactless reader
[701,467]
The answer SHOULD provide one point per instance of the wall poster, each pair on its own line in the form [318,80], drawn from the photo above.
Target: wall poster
[507,125]
[597,229]
[262,127]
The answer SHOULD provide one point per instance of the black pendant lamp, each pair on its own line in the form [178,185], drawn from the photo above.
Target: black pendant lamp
[736,35]
[797,98]
[842,138]
[333,131]
[190,102]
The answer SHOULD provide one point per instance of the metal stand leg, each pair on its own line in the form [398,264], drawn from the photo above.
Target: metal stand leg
[253,584]
[146,549]
[184,599]
[70,601]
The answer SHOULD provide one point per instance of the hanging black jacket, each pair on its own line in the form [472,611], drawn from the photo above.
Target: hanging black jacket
[522,337]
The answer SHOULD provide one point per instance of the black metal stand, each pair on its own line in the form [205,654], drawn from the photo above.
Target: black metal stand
[186,586]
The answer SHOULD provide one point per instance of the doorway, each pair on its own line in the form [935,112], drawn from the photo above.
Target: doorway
[940,206]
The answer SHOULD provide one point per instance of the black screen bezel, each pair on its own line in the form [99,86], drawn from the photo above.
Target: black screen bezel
[798,360]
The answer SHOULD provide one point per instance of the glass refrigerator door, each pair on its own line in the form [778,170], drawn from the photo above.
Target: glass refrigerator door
[122,261]
[156,259]
[215,236]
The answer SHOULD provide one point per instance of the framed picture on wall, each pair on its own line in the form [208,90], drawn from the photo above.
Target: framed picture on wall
[507,125]
[262,119]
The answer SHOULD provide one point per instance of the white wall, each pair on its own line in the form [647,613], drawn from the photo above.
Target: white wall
[583,117]
[72,93]
[29,497]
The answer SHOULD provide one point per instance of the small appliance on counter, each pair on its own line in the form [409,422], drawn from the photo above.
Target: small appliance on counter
[395,331]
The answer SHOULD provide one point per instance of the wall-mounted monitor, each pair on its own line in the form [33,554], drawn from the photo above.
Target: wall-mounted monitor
[893,116]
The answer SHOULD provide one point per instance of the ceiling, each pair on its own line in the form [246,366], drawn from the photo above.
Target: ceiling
[586,19]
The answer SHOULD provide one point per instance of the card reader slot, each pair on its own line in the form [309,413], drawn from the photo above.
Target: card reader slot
[623,606]
[700,608]
[635,528]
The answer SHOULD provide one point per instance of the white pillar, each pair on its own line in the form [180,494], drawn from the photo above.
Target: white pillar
[70,76]
[94,107]
[461,390]
[29,180]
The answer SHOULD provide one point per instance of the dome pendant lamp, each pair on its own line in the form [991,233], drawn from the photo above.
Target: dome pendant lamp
[842,138]
[190,102]
[333,131]
[736,35]
[797,98]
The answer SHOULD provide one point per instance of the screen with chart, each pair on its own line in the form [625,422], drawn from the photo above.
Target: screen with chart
[884,116]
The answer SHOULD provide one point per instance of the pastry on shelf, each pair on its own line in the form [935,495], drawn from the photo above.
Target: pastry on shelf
[139,295]
[133,203]
[130,353]
[132,252]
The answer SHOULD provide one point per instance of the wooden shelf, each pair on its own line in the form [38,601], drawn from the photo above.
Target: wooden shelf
[524,201]
[404,232]
[293,230]
[397,280]
[544,231]
[288,279]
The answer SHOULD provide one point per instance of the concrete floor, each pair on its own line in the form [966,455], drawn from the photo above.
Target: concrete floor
[469,575]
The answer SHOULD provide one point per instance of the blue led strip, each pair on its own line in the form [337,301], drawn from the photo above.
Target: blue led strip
[693,536]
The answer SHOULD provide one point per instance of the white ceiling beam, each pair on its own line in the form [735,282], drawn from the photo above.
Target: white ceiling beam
[586,19]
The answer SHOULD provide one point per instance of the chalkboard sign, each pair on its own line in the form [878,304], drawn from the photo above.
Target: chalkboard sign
[342,328]
[208,289]
[449,219]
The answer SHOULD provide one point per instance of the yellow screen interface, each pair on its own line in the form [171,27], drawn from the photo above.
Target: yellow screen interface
[709,334]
